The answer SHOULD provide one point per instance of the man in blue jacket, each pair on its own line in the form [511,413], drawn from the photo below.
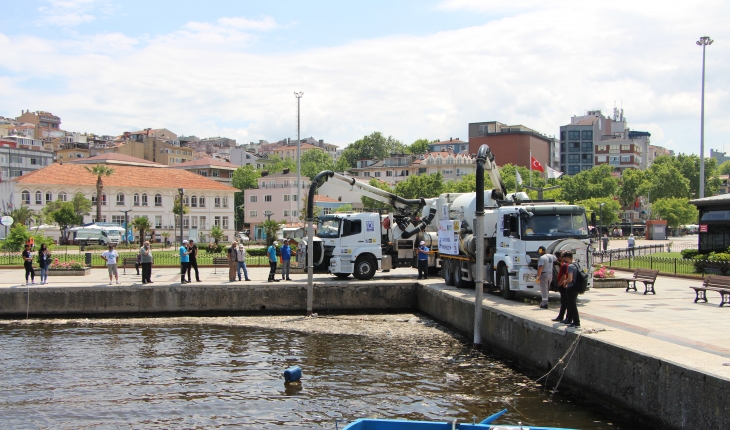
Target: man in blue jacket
[285,261]
[272,262]
[184,260]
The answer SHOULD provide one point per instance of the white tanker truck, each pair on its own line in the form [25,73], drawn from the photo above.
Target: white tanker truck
[513,229]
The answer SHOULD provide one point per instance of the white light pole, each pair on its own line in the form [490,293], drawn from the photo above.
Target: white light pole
[299,152]
[703,42]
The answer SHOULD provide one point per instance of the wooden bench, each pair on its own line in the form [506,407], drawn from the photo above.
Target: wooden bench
[128,262]
[219,262]
[648,277]
[721,284]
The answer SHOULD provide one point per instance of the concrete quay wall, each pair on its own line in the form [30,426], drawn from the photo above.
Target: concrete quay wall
[146,299]
[659,392]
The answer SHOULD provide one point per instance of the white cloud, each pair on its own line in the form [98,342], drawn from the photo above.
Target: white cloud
[67,13]
[531,66]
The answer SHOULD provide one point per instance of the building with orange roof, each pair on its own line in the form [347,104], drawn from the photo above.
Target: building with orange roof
[213,168]
[451,166]
[143,189]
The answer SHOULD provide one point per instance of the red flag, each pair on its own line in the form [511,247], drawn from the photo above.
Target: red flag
[536,165]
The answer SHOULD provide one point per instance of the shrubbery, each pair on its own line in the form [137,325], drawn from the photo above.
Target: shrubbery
[714,260]
[689,254]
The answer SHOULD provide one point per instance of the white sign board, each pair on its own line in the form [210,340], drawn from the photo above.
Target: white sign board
[193,234]
[6,220]
[449,237]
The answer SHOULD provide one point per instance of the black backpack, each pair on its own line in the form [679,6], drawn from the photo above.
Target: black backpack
[580,281]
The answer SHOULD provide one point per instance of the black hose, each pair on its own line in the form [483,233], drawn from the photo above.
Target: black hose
[422,225]
[312,189]
[481,158]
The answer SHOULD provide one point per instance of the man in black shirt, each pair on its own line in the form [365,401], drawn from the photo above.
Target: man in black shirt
[193,248]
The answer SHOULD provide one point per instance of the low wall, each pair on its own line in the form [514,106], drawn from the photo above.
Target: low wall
[162,299]
[658,392]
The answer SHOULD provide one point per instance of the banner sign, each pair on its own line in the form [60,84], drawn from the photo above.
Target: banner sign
[449,237]
[703,228]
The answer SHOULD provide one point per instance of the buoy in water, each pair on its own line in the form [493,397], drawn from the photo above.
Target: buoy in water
[293,374]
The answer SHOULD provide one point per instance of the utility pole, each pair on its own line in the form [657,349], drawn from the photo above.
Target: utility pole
[182,192]
[299,151]
[703,42]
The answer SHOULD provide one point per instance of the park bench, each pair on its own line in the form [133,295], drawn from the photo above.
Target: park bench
[219,262]
[721,284]
[128,262]
[648,277]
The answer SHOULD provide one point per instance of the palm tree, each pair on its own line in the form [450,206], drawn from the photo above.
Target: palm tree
[22,215]
[99,170]
[142,224]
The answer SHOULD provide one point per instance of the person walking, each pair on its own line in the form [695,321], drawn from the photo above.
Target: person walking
[632,244]
[285,252]
[605,242]
[147,260]
[272,262]
[571,290]
[138,262]
[545,274]
[241,262]
[423,260]
[232,263]
[28,265]
[184,261]
[193,255]
[111,257]
[44,260]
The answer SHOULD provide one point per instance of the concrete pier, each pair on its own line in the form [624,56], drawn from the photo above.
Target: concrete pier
[659,358]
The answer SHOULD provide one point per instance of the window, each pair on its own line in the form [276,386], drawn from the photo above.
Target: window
[217,221]
[120,199]
[144,199]
[286,197]
[326,211]
[390,172]
[186,200]
[587,134]
[253,214]
[217,201]
[135,199]
[203,173]
[103,219]
[625,158]
[574,134]
[194,201]
[351,227]
[34,162]
[158,199]
[62,196]
[186,222]
[272,184]
[267,198]
[49,196]
[377,174]
[194,221]
[25,197]
[613,149]
[158,221]
[14,159]
[16,173]
[585,167]
[216,173]
[225,201]
[294,197]
[573,158]
[294,213]
[38,198]
[286,212]
[366,173]
[586,146]
[573,169]
[254,199]
[586,158]
[601,159]
[626,147]
[263,184]
[118,219]
[103,199]
[201,201]
[601,148]
[202,222]
[614,160]
[574,147]
[225,222]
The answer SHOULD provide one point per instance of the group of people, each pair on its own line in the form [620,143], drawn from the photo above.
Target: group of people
[558,270]
[44,260]
[237,261]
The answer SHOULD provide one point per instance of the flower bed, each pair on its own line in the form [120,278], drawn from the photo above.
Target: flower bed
[71,268]
[610,283]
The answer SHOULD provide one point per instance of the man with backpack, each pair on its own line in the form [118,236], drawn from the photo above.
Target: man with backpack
[574,281]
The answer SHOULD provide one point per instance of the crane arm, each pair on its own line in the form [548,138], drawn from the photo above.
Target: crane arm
[375,193]
[491,166]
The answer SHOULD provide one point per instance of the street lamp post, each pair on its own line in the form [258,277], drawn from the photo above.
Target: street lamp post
[182,192]
[126,223]
[299,150]
[268,214]
[703,42]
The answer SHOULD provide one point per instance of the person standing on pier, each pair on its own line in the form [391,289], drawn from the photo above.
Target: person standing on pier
[545,274]
[193,248]
[423,260]
[605,242]
[232,263]
[271,252]
[285,261]
[44,260]
[184,261]
[241,260]
[111,256]
[28,265]
[571,290]
[147,259]
[560,270]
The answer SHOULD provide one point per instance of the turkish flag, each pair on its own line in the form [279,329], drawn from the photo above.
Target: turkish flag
[536,165]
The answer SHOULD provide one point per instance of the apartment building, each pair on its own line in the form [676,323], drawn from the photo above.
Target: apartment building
[513,144]
[278,197]
[44,122]
[392,170]
[454,145]
[241,157]
[451,166]
[720,156]
[156,145]
[213,168]
[17,159]
[620,153]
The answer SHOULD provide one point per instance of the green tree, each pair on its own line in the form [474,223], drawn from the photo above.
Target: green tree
[677,211]
[63,214]
[316,212]
[689,167]
[509,177]
[632,182]
[372,204]
[270,228]
[420,186]
[82,206]
[375,145]
[278,165]
[22,215]
[142,225]
[16,239]
[176,207]
[216,233]
[99,170]
[315,161]
[342,165]
[664,180]
[593,183]
[610,212]
[344,208]
[467,184]
[420,146]
[724,168]
[246,178]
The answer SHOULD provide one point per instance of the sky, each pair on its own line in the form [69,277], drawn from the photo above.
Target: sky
[409,69]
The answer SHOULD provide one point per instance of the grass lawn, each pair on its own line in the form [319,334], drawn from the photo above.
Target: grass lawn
[663,262]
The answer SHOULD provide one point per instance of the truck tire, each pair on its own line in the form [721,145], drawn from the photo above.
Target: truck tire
[447,273]
[342,275]
[503,282]
[459,280]
[365,267]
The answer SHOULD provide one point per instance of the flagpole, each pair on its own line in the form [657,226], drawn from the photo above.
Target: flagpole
[531,167]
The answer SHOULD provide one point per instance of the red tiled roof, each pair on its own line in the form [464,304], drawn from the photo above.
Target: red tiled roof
[113,156]
[206,161]
[123,176]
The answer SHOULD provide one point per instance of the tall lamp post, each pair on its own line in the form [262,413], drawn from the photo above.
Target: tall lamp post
[703,42]
[182,192]
[299,150]
[126,224]
[268,214]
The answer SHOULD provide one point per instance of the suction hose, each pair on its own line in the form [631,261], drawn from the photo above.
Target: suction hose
[479,235]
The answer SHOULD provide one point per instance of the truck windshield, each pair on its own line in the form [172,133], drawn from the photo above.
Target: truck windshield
[554,226]
[328,227]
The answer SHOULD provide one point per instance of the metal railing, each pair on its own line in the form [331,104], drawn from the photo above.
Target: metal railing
[673,266]
[161,259]
[611,255]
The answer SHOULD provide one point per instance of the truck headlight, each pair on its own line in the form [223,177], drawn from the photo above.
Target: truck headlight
[529,278]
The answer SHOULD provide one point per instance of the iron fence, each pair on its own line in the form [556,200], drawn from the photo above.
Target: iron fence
[611,255]
[673,266]
[161,258]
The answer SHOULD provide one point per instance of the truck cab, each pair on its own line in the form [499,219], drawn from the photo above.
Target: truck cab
[353,243]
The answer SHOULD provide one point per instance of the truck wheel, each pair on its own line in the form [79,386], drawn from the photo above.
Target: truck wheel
[459,280]
[503,281]
[342,275]
[447,273]
[365,267]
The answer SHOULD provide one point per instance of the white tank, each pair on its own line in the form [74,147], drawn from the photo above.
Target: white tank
[464,209]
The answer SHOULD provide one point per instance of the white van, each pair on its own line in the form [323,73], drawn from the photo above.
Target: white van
[97,236]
